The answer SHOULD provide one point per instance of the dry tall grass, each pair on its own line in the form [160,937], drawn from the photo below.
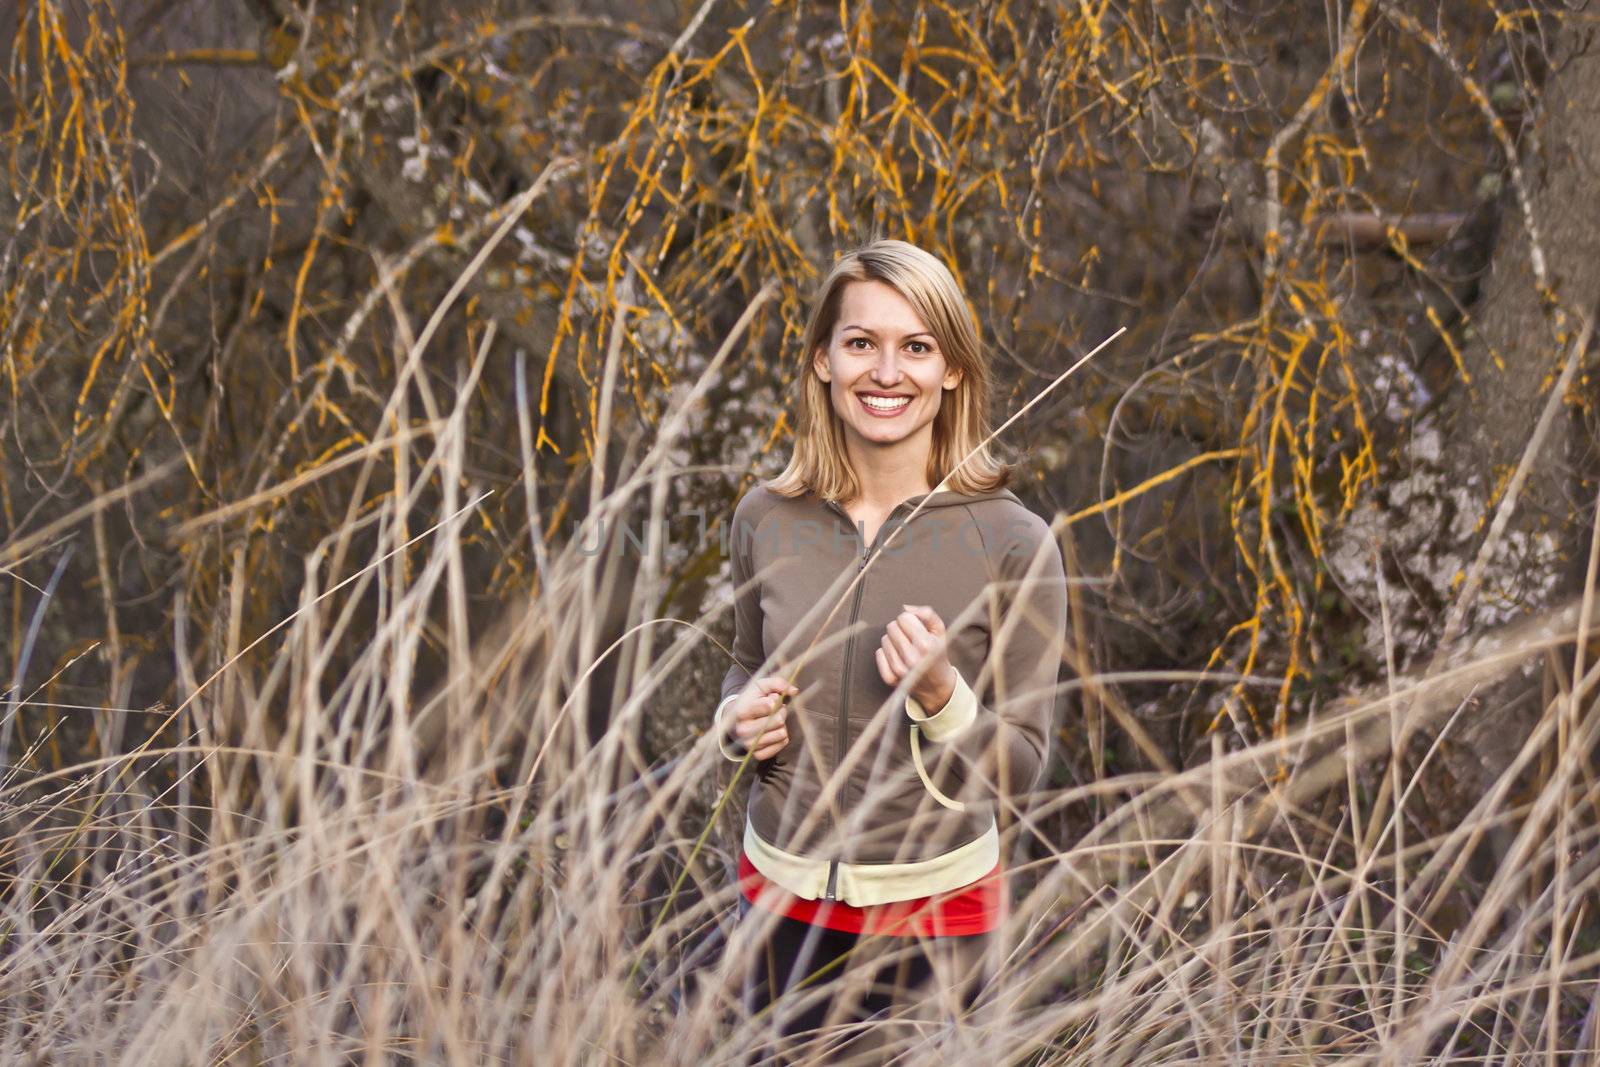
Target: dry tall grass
[378,830]
[366,866]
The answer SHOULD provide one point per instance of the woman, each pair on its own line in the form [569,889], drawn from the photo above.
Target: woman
[896,653]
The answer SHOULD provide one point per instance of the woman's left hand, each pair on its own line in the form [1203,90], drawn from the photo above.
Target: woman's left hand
[914,643]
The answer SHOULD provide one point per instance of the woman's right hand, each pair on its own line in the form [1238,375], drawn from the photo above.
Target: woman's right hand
[760,705]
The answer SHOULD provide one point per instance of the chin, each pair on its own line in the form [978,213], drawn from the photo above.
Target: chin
[885,435]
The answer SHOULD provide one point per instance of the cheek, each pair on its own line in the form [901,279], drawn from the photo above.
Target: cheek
[834,391]
[840,397]
[840,372]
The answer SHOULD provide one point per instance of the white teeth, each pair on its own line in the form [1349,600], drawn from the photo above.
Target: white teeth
[886,405]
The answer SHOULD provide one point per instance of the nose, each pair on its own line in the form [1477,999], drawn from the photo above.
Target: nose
[886,371]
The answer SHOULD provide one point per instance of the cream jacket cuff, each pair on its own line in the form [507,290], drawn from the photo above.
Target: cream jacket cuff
[722,738]
[958,713]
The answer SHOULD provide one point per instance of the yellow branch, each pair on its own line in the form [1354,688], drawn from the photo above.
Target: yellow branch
[216,57]
[1150,483]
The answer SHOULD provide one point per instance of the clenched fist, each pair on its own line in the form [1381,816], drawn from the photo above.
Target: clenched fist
[914,643]
[760,710]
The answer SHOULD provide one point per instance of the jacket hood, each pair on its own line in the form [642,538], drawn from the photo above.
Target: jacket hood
[945,498]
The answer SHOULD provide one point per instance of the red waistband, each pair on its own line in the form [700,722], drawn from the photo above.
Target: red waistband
[975,908]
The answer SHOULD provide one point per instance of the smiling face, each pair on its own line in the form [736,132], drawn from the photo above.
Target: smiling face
[886,375]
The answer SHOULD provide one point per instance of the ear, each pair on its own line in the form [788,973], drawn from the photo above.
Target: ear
[952,378]
[819,361]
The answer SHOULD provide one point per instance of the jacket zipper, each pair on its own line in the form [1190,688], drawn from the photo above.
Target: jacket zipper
[841,735]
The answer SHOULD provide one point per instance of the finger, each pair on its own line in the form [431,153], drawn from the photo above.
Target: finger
[884,671]
[928,617]
[895,661]
[918,631]
[777,683]
[771,742]
[913,624]
[762,708]
[902,643]
[926,641]
[758,711]
[755,737]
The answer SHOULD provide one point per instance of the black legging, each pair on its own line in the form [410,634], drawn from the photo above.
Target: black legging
[795,950]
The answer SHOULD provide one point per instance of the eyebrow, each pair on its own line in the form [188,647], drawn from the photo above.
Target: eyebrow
[868,329]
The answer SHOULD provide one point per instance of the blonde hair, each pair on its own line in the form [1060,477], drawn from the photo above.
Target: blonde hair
[820,462]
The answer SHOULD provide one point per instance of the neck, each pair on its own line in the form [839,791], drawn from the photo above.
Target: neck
[892,474]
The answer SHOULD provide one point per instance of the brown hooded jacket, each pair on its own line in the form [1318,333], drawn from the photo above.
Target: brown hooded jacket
[873,799]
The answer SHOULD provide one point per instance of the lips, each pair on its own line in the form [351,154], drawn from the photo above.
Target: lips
[883,407]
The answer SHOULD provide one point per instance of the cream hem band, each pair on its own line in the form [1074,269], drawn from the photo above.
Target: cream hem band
[863,884]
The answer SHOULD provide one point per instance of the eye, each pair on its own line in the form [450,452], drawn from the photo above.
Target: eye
[853,340]
[924,346]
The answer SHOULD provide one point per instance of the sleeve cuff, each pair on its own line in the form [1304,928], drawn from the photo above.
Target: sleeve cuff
[958,713]
[722,739]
